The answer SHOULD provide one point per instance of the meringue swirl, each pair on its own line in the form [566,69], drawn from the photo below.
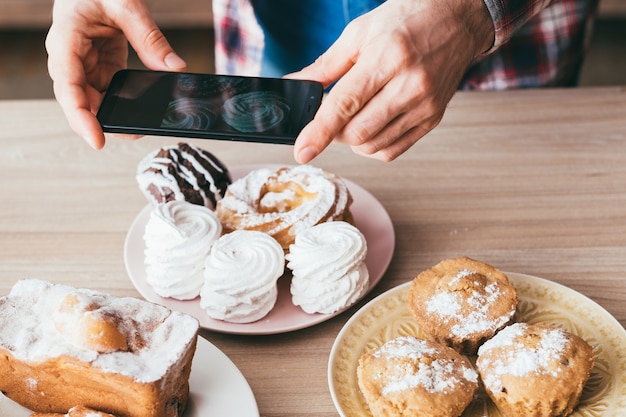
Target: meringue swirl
[178,238]
[241,275]
[256,111]
[327,262]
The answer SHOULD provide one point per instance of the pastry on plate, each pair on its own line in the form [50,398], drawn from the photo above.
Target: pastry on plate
[241,275]
[182,172]
[462,302]
[412,377]
[535,370]
[178,237]
[285,201]
[62,347]
[327,262]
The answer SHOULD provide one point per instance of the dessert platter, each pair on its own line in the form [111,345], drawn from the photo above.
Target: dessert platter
[216,385]
[388,317]
[369,217]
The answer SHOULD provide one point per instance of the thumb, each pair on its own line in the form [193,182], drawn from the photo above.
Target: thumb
[148,41]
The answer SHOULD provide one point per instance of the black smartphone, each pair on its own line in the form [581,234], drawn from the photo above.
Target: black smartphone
[209,106]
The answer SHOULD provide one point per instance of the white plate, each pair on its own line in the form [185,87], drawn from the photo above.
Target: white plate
[217,388]
[387,316]
[370,218]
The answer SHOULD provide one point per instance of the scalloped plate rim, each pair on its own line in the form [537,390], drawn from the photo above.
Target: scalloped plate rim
[612,322]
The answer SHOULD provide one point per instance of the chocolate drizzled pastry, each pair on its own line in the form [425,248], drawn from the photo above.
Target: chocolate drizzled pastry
[183,172]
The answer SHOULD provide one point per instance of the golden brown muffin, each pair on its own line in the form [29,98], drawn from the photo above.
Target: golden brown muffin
[535,370]
[462,303]
[415,377]
[62,347]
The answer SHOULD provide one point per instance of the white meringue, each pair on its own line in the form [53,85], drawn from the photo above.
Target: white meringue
[327,262]
[178,238]
[241,275]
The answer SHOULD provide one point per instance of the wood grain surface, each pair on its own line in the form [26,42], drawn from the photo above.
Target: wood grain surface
[532,182]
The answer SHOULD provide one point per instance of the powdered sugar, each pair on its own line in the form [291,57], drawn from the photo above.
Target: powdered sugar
[433,377]
[28,332]
[291,199]
[469,314]
[519,350]
[460,275]
[424,370]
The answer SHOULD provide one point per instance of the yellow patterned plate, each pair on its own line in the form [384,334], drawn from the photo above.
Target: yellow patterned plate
[540,300]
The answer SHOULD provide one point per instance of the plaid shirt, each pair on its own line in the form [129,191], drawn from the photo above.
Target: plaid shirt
[537,42]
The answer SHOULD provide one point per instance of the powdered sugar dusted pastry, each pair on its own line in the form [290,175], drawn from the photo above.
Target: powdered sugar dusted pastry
[240,277]
[178,237]
[61,347]
[327,263]
[535,370]
[283,202]
[411,377]
[182,172]
[462,302]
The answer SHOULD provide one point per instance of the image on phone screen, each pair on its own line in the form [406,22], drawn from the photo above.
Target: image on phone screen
[209,106]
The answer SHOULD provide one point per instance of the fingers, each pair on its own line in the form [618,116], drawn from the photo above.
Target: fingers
[67,68]
[397,137]
[385,126]
[87,43]
[359,82]
[396,68]
[135,20]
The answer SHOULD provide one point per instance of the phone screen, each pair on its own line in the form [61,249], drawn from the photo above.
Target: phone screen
[271,110]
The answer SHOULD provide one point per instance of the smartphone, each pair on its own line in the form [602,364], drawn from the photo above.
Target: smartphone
[209,106]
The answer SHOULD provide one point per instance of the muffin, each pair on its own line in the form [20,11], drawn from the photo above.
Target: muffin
[182,172]
[535,370]
[462,303]
[413,377]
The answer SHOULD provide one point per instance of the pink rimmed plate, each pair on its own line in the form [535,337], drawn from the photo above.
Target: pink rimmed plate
[370,217]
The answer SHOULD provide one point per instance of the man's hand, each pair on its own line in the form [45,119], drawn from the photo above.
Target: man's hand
[87,43]
[396,68]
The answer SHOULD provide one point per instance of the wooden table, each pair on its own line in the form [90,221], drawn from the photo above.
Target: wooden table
[531,181]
